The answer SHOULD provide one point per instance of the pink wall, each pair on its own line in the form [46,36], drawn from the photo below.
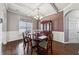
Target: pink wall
[57,20]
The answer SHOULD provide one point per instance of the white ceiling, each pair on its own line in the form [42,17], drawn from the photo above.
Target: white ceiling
[30,9]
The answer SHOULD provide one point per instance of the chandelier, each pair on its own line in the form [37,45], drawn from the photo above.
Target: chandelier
[38,16]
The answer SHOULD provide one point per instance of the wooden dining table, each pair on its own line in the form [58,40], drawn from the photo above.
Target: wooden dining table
[37,41]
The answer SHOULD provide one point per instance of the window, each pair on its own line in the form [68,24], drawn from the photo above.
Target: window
[25,27]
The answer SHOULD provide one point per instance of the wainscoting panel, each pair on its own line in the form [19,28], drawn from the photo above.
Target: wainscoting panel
[58,36]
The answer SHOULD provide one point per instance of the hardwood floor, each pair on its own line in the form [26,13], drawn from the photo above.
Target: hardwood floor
[16,48]
[65,49]
[0,49]
[12,48]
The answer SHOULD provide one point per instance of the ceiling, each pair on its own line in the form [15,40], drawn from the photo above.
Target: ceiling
[30,9]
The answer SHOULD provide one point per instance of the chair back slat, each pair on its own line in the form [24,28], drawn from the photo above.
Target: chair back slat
[24,36]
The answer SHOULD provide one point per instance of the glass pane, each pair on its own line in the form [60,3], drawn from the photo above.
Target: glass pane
[48,27]
[25,26]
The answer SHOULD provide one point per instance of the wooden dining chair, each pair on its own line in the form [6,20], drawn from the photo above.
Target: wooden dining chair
[27,41]
[30,43]
[49,44]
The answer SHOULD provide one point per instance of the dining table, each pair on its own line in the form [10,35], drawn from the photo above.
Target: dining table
[37,40]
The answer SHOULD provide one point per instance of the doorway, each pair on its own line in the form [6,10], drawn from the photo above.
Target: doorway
[0,36]
[72,26]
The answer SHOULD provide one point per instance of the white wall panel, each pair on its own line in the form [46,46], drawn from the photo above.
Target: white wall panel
[58,36]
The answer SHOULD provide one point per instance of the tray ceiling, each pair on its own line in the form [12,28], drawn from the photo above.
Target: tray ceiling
[30,9]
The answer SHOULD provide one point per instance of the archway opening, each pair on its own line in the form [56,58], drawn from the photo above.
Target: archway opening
[72,26]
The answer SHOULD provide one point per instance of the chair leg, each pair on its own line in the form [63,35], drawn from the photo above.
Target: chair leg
[31,49]
[47,48]
[27,47]
[24,48]
[51,47]
[30,43]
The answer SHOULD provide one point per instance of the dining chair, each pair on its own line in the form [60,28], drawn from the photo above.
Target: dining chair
[34,42]
[49,43]
[27,41]
[29,47]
